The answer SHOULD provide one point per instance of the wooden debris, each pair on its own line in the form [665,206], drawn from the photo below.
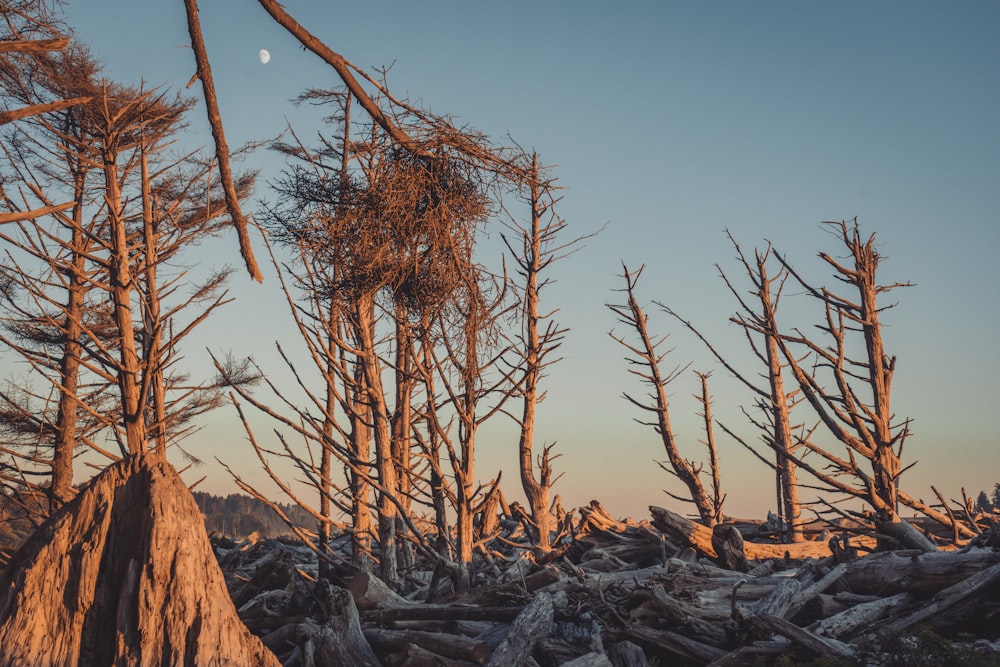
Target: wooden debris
[529,627]
[658,592]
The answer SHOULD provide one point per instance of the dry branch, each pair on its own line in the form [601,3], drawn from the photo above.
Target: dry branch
[35,109]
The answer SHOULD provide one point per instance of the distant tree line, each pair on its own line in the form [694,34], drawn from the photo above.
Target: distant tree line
[239,515]
[989,502]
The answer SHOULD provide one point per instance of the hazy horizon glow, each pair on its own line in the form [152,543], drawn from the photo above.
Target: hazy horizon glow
[670,122]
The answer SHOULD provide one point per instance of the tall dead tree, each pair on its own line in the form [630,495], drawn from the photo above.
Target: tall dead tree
[50,335]
[644,360]
[853,395]
[534,246]
[758,319]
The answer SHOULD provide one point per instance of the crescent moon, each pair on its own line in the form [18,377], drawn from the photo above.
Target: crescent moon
[264,56]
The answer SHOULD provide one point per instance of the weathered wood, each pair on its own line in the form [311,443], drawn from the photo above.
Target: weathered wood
[35,109]
[949,600]
[417,656]
[699,538]
[727,542]
[448,645]
[859,617]
[891,572]
[443,612]
[672,609]
[778,601]
[906,534]
[541,578]
[123,574]
[804,596]
[824,646]
[370,592]
[627,654]
[33,45]
[338,639]
[533,623]
[590,660]
[17,216]
[675,643]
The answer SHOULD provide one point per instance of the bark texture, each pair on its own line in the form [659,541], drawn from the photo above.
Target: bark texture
[123,575]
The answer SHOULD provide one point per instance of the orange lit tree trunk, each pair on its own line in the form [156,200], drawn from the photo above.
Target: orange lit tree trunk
[121,287]
[535,247]
[646,357]
[385,464]
[857,409]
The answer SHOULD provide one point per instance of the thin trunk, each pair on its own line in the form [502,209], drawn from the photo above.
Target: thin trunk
[713,452]
[152,325]
[782,441]
[401,424]
[536,491]
[465,468]
[360,488]
[325,483]
[384,462]
[69,367]
[121,283]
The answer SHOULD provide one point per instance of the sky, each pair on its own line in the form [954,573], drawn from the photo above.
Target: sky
[668,122]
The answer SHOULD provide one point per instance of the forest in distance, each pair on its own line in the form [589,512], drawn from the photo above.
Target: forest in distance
[414,343]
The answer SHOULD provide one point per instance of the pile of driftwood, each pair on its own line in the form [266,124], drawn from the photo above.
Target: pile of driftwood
[662,592]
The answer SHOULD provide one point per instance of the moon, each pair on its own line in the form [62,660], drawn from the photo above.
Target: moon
[264,56]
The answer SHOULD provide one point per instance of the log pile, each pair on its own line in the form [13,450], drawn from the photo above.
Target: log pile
[626,594]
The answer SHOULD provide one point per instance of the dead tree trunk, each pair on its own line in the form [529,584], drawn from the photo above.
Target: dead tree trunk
[646,357]
[123,575]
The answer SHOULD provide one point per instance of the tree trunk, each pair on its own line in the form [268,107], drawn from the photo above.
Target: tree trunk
[121,285]
[123,575]
[384,463]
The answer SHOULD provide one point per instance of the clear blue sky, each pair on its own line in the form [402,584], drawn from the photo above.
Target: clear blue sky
[671,122]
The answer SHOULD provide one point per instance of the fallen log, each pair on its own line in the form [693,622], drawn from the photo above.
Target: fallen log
[589,660]
[440,612]
[530,626]
[948,601]
[699,538]
[675,643]
[414,655]
[370,592]
[862,616]
[824,646]
[447,645]
[337,639]
[914,572]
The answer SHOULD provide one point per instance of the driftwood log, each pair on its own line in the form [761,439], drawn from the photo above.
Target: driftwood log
[699,537]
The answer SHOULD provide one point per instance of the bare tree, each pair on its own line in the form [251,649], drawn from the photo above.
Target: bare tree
[534,247]
[646,359]
[758,318]
[857,408]
[101,246]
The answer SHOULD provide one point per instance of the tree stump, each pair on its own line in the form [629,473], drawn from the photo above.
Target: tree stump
[123,575]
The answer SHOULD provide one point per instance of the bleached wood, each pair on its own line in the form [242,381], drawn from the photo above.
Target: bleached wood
[700,538]
[123,575]
[532,624]
[859,617]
